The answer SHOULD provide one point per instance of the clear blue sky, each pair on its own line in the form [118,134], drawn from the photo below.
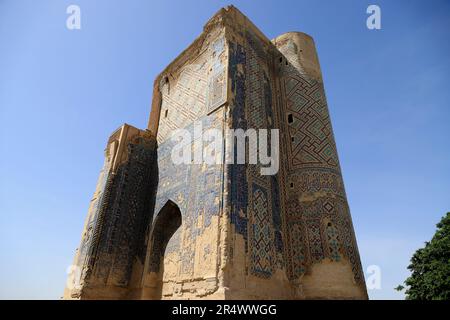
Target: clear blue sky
[63,92]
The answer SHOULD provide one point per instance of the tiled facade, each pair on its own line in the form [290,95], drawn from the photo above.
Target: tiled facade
[158,230]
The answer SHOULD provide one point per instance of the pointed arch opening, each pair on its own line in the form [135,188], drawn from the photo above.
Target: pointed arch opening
[165,225]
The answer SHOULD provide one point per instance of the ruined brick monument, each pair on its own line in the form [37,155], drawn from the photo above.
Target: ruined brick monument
[156,230]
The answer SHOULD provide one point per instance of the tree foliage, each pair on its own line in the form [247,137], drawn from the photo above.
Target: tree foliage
[430,267]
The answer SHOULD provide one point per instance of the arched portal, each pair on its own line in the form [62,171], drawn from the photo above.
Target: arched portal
[165,225]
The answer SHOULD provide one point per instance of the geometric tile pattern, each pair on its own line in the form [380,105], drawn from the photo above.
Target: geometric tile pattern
[313,143]
[196,189]
[333,242]
[253,108]
[312,167]
[261,238]
[238,196]
[200,89]
[298,253]
[217,86]
[123,217]
[319,239]
[314,239]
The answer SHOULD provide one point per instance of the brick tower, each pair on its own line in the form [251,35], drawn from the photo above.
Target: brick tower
[160,230]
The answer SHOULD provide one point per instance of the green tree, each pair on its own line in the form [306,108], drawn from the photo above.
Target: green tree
[430,267]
